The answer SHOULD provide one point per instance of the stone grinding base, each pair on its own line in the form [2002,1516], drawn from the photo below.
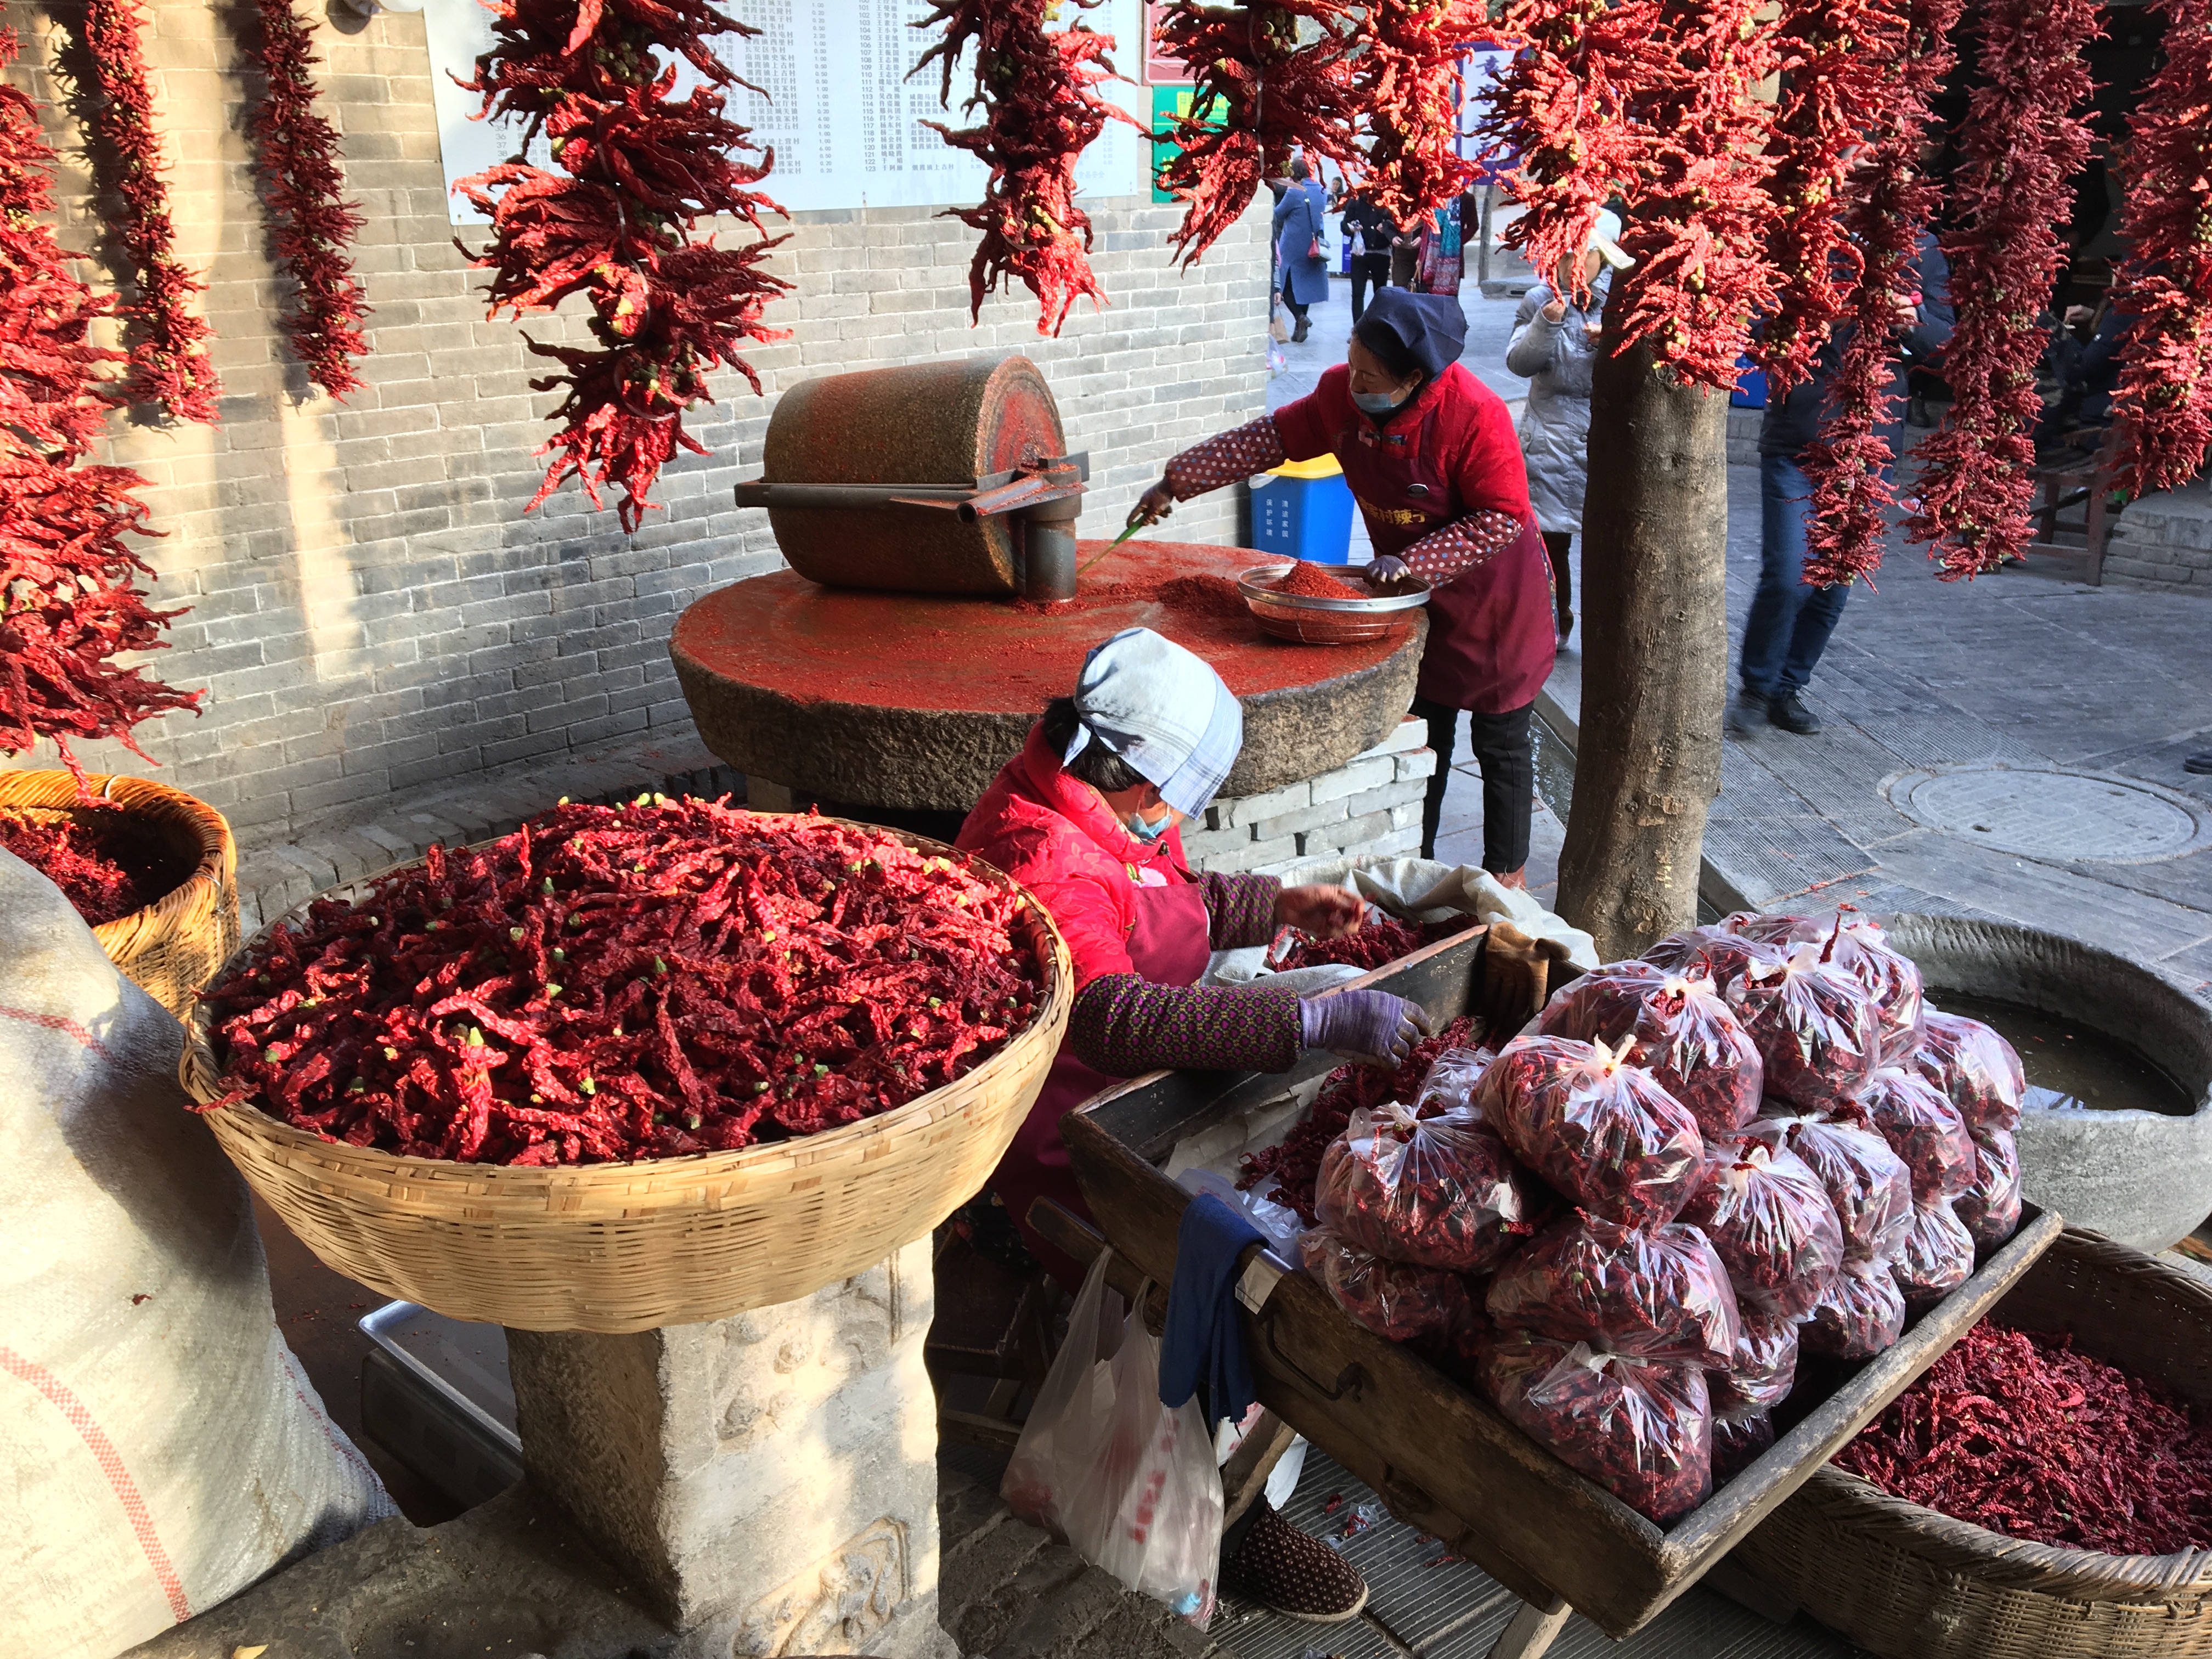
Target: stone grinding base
[914,701]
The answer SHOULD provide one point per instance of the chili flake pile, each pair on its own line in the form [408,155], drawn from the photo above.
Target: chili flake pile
[2017,1432]
[610,983]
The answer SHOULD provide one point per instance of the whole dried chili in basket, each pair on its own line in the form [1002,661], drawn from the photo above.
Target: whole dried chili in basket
[1990,1205]
[95,858]
[1379,939]
[1772,1222]
[1978,1072]
[1437,1192]
[2021,1433]
[1681,1032]
[1041,112]
[1923,1129]
[1643,1429]
[1655,1294]
[1600,1131]
[1861,1314]
[1937,1255]
[1764,1368]
[1818,1032]
[1867,1183]
[610,983]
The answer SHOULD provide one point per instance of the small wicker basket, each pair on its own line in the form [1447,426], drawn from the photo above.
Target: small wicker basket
[174,945]
[1908,1583]
[625,1246]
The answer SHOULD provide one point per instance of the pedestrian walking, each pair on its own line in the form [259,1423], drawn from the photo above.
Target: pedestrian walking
[1301,231]
[1369,232]
[1790,619]
[1554,347]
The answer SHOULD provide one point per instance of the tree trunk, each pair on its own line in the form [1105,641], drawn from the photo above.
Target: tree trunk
[1654,653]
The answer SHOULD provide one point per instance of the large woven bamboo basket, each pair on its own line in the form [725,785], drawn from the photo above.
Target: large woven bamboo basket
[174,945]
[625,1246]
[1910,1584]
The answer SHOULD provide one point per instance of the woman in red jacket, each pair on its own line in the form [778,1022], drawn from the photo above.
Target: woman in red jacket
[1432,459]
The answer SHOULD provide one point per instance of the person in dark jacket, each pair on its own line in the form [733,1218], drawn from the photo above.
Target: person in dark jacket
[1369,233]
[1790,620]
[1301,225]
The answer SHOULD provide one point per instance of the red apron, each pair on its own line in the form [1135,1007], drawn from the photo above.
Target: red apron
[1168,944]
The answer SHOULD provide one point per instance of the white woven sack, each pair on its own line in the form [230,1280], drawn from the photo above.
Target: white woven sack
[160,1451]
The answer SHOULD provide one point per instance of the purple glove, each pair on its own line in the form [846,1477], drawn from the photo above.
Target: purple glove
[1372,1027]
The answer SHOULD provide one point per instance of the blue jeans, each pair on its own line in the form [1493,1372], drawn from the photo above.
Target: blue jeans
[1790,621]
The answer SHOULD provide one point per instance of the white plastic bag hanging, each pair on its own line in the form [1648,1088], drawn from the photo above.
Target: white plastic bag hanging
[1054,1456]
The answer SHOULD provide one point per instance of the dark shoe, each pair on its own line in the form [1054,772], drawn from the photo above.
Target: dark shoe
[1288,1572]
[1298,334]
[1787,710]
[1747,713]
[2200,764]
[1566,625]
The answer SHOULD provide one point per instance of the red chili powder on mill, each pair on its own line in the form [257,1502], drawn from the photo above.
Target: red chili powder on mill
[1311,582]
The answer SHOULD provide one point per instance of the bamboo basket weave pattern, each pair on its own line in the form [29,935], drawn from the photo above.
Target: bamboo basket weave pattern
[175,945]
[1908,1583]
[625,1246]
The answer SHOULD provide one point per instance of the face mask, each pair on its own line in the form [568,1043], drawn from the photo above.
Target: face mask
[1374,403]
[1148,833]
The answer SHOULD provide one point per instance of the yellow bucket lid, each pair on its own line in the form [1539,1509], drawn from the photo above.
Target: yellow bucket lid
[1321,466]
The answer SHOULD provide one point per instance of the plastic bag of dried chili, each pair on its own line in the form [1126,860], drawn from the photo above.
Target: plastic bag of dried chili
[1858,945]
[1452,1081]
[1817,1030]
[1990,1205]
[1437,1192]
[1643,1429]
[1938,1256]
[1712,953]
[1977,1070]
[1772,1223]
[1861,1314]
[1428,1307]
[1683,1034]
[1922,1128]
[1657,1295]
[1866,1181]
[1764,1368]
[1601,1131]
[1742,1435]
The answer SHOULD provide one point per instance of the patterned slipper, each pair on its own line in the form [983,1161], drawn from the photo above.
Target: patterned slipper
[1299,1577]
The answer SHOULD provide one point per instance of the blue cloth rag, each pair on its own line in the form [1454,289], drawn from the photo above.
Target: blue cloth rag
[1203,1341]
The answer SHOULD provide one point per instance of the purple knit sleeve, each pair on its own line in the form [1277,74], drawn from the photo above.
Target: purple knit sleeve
[1125,1026]
[1240,910]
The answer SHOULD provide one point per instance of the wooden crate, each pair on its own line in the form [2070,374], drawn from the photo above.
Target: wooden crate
[1441,1458]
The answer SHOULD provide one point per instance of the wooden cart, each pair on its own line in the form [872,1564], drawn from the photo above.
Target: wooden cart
[1442,1459]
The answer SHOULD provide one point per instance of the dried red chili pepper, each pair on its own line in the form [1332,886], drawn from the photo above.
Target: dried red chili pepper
[1923,1129]
[1437,1192]
[1977,1070]
[1429,1307]
[1938,1257]
[638,170]
[1771,1220]
[98,858]
[1761,1372]
[296,153]
[1041,112]
[1857,945]
[2019,1433]
[1378,940]
[1861,1314]
[1990,1205]
[1819,1033]
[1600,1131]
[1712,953]
[616,983]
[1681,1031]
[1406,79]
[1742,1435]
[1659,1293]
[1866,1181]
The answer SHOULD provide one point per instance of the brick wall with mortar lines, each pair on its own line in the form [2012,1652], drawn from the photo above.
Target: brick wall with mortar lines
[370,609]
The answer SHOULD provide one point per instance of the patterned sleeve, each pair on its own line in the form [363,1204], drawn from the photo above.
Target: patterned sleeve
[1125,1026]
[1253,447]
[1240,910]
[1475,539]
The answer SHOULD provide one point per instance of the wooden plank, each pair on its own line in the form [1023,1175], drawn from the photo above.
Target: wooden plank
[1533,1628]
[1244,1476]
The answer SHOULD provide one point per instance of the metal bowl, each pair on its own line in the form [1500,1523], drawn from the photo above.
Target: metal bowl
[1322,622]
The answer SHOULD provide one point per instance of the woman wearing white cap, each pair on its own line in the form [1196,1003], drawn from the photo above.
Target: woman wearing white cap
[1555,344]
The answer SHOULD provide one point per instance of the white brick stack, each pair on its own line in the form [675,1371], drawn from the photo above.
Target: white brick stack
[1371,806]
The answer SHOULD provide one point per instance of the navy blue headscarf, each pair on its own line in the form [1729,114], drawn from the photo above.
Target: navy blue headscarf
[1408,330]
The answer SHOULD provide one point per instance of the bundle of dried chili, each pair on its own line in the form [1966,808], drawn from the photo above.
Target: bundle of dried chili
[1742,1435]
[1867,1183]
[1258,96]
[1377,939]
[2020,1433]
[611,983]
[638,169]
[1659,1293]
[169,363]
[1764,1368]
[1923,1129]
[296,152]
[1041,112]
[1680,1030]
[1857,945]
[1712,953]
[1819,1033]
[1429,1307]
[1437,1192]
[1643,1429]
[1452,1082]
[1772,1222]
[1937,1255]
[2011,195]
[1990,1205]
[1600,1131]
[1407,80]
[1977,1070]
[1863,1314]
[95,859]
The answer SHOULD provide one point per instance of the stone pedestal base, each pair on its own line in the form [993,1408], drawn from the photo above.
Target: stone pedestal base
[769,1480]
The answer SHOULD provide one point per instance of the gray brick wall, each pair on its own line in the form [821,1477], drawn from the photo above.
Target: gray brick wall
[371,611]
[2164,542]
[1371,807]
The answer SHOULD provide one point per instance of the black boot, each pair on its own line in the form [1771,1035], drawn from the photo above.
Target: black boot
[1787,710]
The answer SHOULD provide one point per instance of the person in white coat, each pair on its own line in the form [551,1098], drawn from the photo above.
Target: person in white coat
[1555,344]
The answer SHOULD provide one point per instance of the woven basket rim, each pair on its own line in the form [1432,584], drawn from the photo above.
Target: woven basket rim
[2025,1564]
[217,849]
[691,1167]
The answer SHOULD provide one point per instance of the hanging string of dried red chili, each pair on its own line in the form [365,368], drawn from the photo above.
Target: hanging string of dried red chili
[2163,403]
[1406,80]
[637,169]
[1258,97]
[1041,112]
[296,152]
[2011,194]
[169,363]
[609,983]
[1889,205]
[2019,1433]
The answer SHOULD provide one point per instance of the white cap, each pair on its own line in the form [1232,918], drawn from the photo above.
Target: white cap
[1605,237]
[1163,710]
